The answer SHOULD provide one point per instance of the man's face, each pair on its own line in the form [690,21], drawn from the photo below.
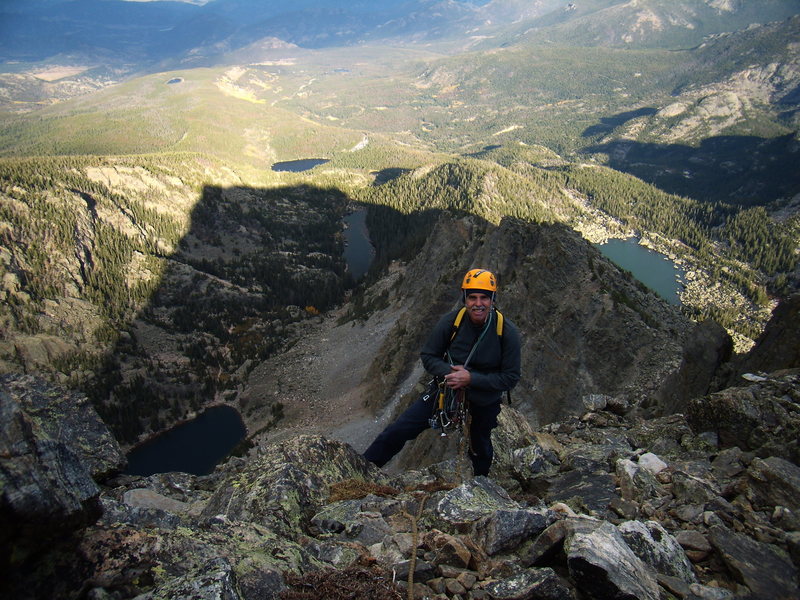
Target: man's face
[478,305]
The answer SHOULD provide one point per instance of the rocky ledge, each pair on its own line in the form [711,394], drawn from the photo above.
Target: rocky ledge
[679,507]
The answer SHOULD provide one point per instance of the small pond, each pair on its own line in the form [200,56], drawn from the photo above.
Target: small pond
[296,166]
[654,270]
[358,251]
[193,447]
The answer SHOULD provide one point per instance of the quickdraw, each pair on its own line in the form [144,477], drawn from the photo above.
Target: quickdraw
[450,411]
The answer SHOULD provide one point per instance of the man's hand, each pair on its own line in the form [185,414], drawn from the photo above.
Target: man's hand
[458,378]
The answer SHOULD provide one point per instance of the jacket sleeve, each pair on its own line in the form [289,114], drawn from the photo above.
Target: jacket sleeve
[433,351]
[509,372]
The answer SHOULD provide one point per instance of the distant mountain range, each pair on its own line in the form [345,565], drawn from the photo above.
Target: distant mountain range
[143,34]
[694,95]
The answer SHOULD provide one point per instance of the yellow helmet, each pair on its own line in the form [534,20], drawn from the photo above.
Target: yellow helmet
[480,279]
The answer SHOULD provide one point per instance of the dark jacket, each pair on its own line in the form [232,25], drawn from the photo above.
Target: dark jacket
[494,366]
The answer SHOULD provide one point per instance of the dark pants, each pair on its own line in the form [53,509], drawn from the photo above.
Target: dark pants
[415,420]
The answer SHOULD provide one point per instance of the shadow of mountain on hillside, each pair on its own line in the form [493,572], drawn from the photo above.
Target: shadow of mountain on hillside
[741,170]
[608,124]
[254,264]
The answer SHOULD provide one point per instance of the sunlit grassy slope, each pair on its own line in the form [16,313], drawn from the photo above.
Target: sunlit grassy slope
[203,110]
[300,103]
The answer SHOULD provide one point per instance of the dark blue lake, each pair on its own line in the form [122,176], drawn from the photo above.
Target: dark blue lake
[296,166]
[654,270]
[358,250]
[192,447]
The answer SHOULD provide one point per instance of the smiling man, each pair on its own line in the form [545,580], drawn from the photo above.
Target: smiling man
[479,356]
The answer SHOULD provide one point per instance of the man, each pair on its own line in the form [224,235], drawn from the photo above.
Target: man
[476,358]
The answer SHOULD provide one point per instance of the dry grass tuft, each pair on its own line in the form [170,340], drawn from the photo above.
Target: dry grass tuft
[352,489]
[353,583]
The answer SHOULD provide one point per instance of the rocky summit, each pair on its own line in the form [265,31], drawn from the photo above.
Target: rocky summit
[702,505]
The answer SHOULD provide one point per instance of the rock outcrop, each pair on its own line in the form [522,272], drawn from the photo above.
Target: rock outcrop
[53,447]
[762,417]
[596,506]
[778,346]
[707,349]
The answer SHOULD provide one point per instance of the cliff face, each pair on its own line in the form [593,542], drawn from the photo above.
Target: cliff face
[53,447]
[777,346]
[587,328]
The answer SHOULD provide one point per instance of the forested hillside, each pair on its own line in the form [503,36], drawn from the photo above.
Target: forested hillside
[741,250]
[160,278]
[149,288]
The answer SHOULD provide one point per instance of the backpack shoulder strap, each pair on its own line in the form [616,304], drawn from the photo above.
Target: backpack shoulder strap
[500,334]
[457,322]
[460,317]
[499,330]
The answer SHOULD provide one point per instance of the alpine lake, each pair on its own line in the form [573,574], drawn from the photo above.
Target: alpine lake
[193,447]
[654,270]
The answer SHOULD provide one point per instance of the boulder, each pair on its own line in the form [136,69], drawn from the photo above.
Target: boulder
[637,483]
[65,417]
[530,462]
[542,584]
[593,490]
[505,530]
[695,544]
[347,520]
[656,547]
[52,445]
[548,548]
[652,463]
[393,549]
[764,569]
[215,580]
[603,566]
[597,456]
[691,488]
[599,562]
[773,482]
[448,550]
[283,488]
[761,417]
[478,497]
[663,436]
[512,432]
